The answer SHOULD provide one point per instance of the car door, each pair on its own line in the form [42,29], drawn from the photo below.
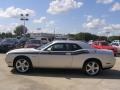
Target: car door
[55,56]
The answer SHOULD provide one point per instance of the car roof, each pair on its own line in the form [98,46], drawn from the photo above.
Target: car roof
[35,39]
[100,41]
[80,43]
[66,41]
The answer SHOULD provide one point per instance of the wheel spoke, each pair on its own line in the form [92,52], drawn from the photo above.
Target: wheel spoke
[23,68]
[26,66]
[19,62]
[93,71]
[96,68]
[88,70]
[24,61]
[93,64]
[89,65]
[18,66]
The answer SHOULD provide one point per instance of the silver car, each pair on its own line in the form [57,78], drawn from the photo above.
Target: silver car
[61,54]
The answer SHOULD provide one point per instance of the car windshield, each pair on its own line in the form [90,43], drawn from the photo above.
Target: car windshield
[43,46]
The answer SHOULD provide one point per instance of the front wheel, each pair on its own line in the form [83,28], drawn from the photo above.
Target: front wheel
[92,68]
[22,65]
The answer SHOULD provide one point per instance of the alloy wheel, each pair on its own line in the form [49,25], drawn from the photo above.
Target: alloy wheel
[22,65]
[92,68]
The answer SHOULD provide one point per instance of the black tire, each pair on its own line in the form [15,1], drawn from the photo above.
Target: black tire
[27,63]
[89,70]
[115,54]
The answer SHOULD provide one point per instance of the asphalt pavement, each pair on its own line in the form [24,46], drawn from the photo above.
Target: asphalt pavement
[52,79]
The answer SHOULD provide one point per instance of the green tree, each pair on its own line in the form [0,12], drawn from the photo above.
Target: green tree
[103,38]
[20,30]
[111,38]
[3,35]
[85,36]
[71,36]
[8,35]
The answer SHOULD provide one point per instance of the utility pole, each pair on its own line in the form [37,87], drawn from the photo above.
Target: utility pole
[107,34]
[24,18]
[54,33]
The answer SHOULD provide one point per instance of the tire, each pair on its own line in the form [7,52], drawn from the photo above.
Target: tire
[92,67]
[22,65]
[115,54]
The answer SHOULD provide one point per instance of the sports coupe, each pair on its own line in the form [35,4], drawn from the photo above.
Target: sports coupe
[61,54]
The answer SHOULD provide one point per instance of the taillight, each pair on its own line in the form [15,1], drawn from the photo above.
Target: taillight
[115,49]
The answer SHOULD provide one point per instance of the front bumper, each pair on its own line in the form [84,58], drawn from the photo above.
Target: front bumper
[9,60]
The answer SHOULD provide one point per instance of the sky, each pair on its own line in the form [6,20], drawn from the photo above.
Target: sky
[62,16]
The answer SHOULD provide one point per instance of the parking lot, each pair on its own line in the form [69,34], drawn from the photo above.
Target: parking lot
[49,79]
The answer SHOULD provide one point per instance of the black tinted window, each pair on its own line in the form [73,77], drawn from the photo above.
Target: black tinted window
[72,47]
[64,47]
[58,47]
[75,47]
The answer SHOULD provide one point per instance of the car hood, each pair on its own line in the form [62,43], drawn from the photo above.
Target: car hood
[24,50]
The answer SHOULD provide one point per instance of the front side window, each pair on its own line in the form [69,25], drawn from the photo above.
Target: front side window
[57,47]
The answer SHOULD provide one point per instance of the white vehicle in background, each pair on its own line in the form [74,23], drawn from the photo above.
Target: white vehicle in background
[44,40]
[116,41]
[117,45]
[61,54]
[90,42]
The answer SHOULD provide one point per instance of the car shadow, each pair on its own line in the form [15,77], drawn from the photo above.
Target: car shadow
[68,74]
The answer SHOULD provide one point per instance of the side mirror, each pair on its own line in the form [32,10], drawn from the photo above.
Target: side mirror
[49,49]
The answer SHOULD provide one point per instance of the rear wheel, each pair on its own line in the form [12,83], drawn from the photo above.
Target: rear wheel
[22,65]
[92,68]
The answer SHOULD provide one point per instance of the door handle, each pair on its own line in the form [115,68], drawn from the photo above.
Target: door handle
[67,53]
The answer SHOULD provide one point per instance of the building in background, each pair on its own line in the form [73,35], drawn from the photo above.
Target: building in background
[46,37]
